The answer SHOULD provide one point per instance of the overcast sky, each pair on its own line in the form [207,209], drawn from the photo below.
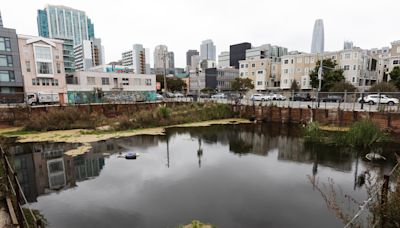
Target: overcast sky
[183,24]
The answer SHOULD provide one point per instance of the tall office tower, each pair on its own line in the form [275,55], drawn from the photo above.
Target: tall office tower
[161,57]
[237,52]
[1,21]
[171,61]
[189,55]
[61,22]
[88,54]
[317,45]
[207,50]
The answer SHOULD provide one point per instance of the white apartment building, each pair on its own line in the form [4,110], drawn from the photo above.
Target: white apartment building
[137,58]
[223,59]
[88,54]
[265,73]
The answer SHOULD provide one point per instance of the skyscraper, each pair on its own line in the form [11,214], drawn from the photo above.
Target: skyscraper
[189,55]
[207,50]
[61,22]
[317,45]
[1,21]
[238,52]
[161,57]
[171,61]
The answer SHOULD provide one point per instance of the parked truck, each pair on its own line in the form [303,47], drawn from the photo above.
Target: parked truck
[42,98]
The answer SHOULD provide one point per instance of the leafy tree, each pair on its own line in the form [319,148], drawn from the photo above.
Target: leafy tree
[383,87]
[395,76]
[173,83]
[329,77]
[242,84]
[342,86]
[294,86]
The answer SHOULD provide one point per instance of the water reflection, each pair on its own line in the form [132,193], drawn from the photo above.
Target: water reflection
[246,171]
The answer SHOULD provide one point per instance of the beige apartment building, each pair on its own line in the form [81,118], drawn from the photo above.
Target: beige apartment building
[297,66]
[42,65]
[359,67]
[265,73]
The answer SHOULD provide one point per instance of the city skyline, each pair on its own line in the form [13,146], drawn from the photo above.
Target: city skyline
[341,23]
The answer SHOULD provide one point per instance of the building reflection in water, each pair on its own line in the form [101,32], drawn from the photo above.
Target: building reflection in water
[44,167]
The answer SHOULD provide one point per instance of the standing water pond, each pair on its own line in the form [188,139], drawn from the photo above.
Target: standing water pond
[227,175]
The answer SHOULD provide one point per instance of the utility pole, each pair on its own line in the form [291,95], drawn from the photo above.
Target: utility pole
[198,82]
[320,77]
[165,72]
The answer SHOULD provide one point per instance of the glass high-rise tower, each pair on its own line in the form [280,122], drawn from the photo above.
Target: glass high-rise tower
[67,24]
[317,44]
[61,22]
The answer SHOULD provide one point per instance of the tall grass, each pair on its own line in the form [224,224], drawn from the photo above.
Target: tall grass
[62,119]
[313,133]
[364,134]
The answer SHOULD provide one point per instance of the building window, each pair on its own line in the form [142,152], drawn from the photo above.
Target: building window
[353,79]
[299,60]
[354,67]
[35,81]
[306,70]
[347,56]
[6,61]
[28,66]
[7,76]
[259,83]
[44,68]
[253,73]
[241,65]
[355,55]
[247,65]
[105,81]
[346,67]
[45,82]
[253,65]
[56,82]
[241,74]
[312,60]
[298,70]
[285,71]
[395,62]
[91,80]
[259,72]
[147,82]
[42,52]
[262,64]
[285,81]
[58,68]
[5,44]
[291,61]
[125,81]
[286,61]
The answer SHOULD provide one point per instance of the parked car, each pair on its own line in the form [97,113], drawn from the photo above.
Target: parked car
[159,97]
[375,99]
[278,97]
[302,97]
[178,95]
[332,98]
[260,97]
[219,96]
[169,95]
